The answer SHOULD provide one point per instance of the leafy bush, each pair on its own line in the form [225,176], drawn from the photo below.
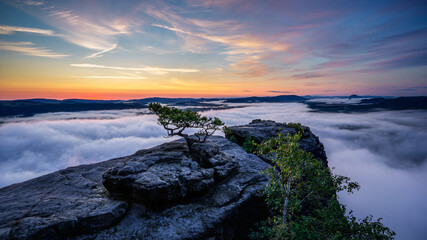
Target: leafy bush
[296,126]
[249,145]
[226,130]
[302,195]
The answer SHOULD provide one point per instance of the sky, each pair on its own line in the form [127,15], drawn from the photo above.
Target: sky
[105,49]
[383,151]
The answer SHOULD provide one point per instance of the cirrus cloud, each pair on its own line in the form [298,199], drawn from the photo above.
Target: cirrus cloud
[5,29]
[153,70]
[28,48]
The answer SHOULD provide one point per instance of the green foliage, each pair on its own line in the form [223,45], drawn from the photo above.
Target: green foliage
[249,145]
[175,121]
[226,130]
[296,126]
[233,139]
[302,193]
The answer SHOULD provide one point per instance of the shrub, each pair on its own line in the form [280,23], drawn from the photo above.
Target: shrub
[302,195]
[249,145]
[296,126]
[233,139]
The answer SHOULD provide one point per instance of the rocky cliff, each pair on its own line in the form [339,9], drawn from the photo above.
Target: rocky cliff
[167,192]
[262,130]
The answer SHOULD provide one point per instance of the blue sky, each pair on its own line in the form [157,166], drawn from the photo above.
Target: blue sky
[130,49]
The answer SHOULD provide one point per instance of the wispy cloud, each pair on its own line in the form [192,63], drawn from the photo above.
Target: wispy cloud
[69,16]
[27,48]
[413,89]
[4,29]
[249,67]
[280,40]
[110,77]
[222,4]
[34,3]
[311,75]
[99,54]
[153,70]
[234,41]
[273,91]
[96,30]
[245,50]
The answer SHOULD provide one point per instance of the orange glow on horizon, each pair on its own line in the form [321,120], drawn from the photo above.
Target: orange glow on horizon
[125,95]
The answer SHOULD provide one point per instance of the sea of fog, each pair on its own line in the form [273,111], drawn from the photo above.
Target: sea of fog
[386,152]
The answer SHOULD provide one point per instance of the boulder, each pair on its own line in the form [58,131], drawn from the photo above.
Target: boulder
[262,130]
[182,194]
[164,192]
[171,171]
[66,203]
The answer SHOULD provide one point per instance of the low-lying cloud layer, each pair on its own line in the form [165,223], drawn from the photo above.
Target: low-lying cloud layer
[30,149]
[383,151]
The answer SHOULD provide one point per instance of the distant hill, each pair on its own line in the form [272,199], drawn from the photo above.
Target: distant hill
[25,108]
[373,104]
[372,100]
[29,107]
[402,103]
[275,99]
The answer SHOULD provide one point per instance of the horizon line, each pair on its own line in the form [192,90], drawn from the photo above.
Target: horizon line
[99,99]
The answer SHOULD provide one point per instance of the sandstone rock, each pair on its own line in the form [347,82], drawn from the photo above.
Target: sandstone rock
[221,195]
[201,201]
[170,171]
[58,205]
[262,130]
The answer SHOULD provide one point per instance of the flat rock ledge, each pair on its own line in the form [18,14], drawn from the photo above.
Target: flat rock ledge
[165,192]
[262,130]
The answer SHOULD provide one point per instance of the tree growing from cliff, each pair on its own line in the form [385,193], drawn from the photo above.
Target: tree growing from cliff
[175,121]
[302,193]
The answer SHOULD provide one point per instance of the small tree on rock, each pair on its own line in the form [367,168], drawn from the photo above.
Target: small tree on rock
[175,121]
[302,194]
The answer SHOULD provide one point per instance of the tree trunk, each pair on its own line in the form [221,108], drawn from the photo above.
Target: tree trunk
[189,142]
[285,205]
